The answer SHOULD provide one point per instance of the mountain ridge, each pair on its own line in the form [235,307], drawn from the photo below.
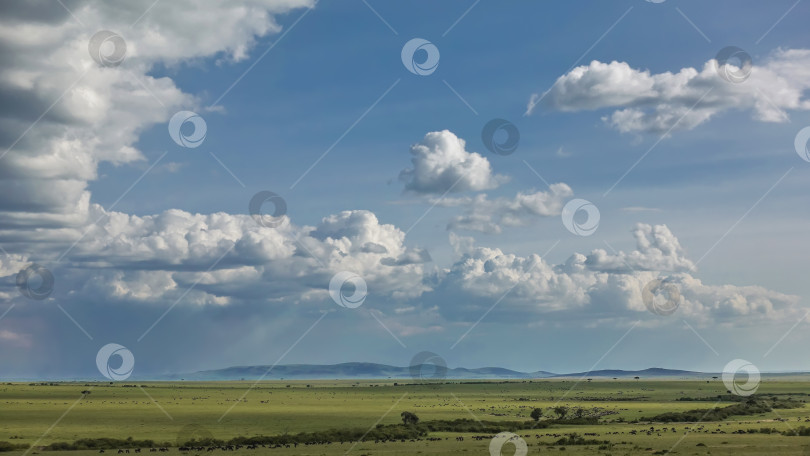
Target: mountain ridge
[361,370]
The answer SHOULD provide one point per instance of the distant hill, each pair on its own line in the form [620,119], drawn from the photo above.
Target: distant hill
[652,372]
[383,371]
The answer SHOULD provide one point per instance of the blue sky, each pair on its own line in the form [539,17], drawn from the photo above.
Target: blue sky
[717,203]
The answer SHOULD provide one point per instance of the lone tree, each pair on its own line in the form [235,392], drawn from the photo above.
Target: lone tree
[537,414]
[409,418]
[561,412]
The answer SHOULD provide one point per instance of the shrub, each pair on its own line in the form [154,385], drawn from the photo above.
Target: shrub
[7,446]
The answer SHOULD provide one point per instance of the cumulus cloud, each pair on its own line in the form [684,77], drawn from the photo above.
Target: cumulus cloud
[97,115]
[62,114]
[490,215]
[657,249]
[441,164]
[656,103]
[531,281]
[156,257]
[411,256]
[600,285]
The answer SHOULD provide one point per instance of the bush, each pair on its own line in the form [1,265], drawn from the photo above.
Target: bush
[103,444]
[413,430]
[752,406]
[409,418]
[576,439]
[7,446]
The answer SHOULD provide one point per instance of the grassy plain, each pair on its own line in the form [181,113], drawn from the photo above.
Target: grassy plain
[41,414]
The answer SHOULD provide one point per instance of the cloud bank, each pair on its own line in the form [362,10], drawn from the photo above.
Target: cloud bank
[603,286]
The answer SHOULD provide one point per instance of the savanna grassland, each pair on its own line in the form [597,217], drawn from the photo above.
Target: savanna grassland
[610,417]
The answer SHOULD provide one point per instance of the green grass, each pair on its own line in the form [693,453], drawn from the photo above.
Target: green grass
[274,408]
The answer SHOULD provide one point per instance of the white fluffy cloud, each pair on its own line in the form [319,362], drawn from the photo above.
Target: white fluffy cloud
[441,164]
[157,257]
[657,249]
[600,285]
[489,273]
[62,115]
[490,215]
[683,100]
[97,116]
[97,113]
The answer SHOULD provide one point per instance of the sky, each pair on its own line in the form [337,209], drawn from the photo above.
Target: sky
[557,186]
